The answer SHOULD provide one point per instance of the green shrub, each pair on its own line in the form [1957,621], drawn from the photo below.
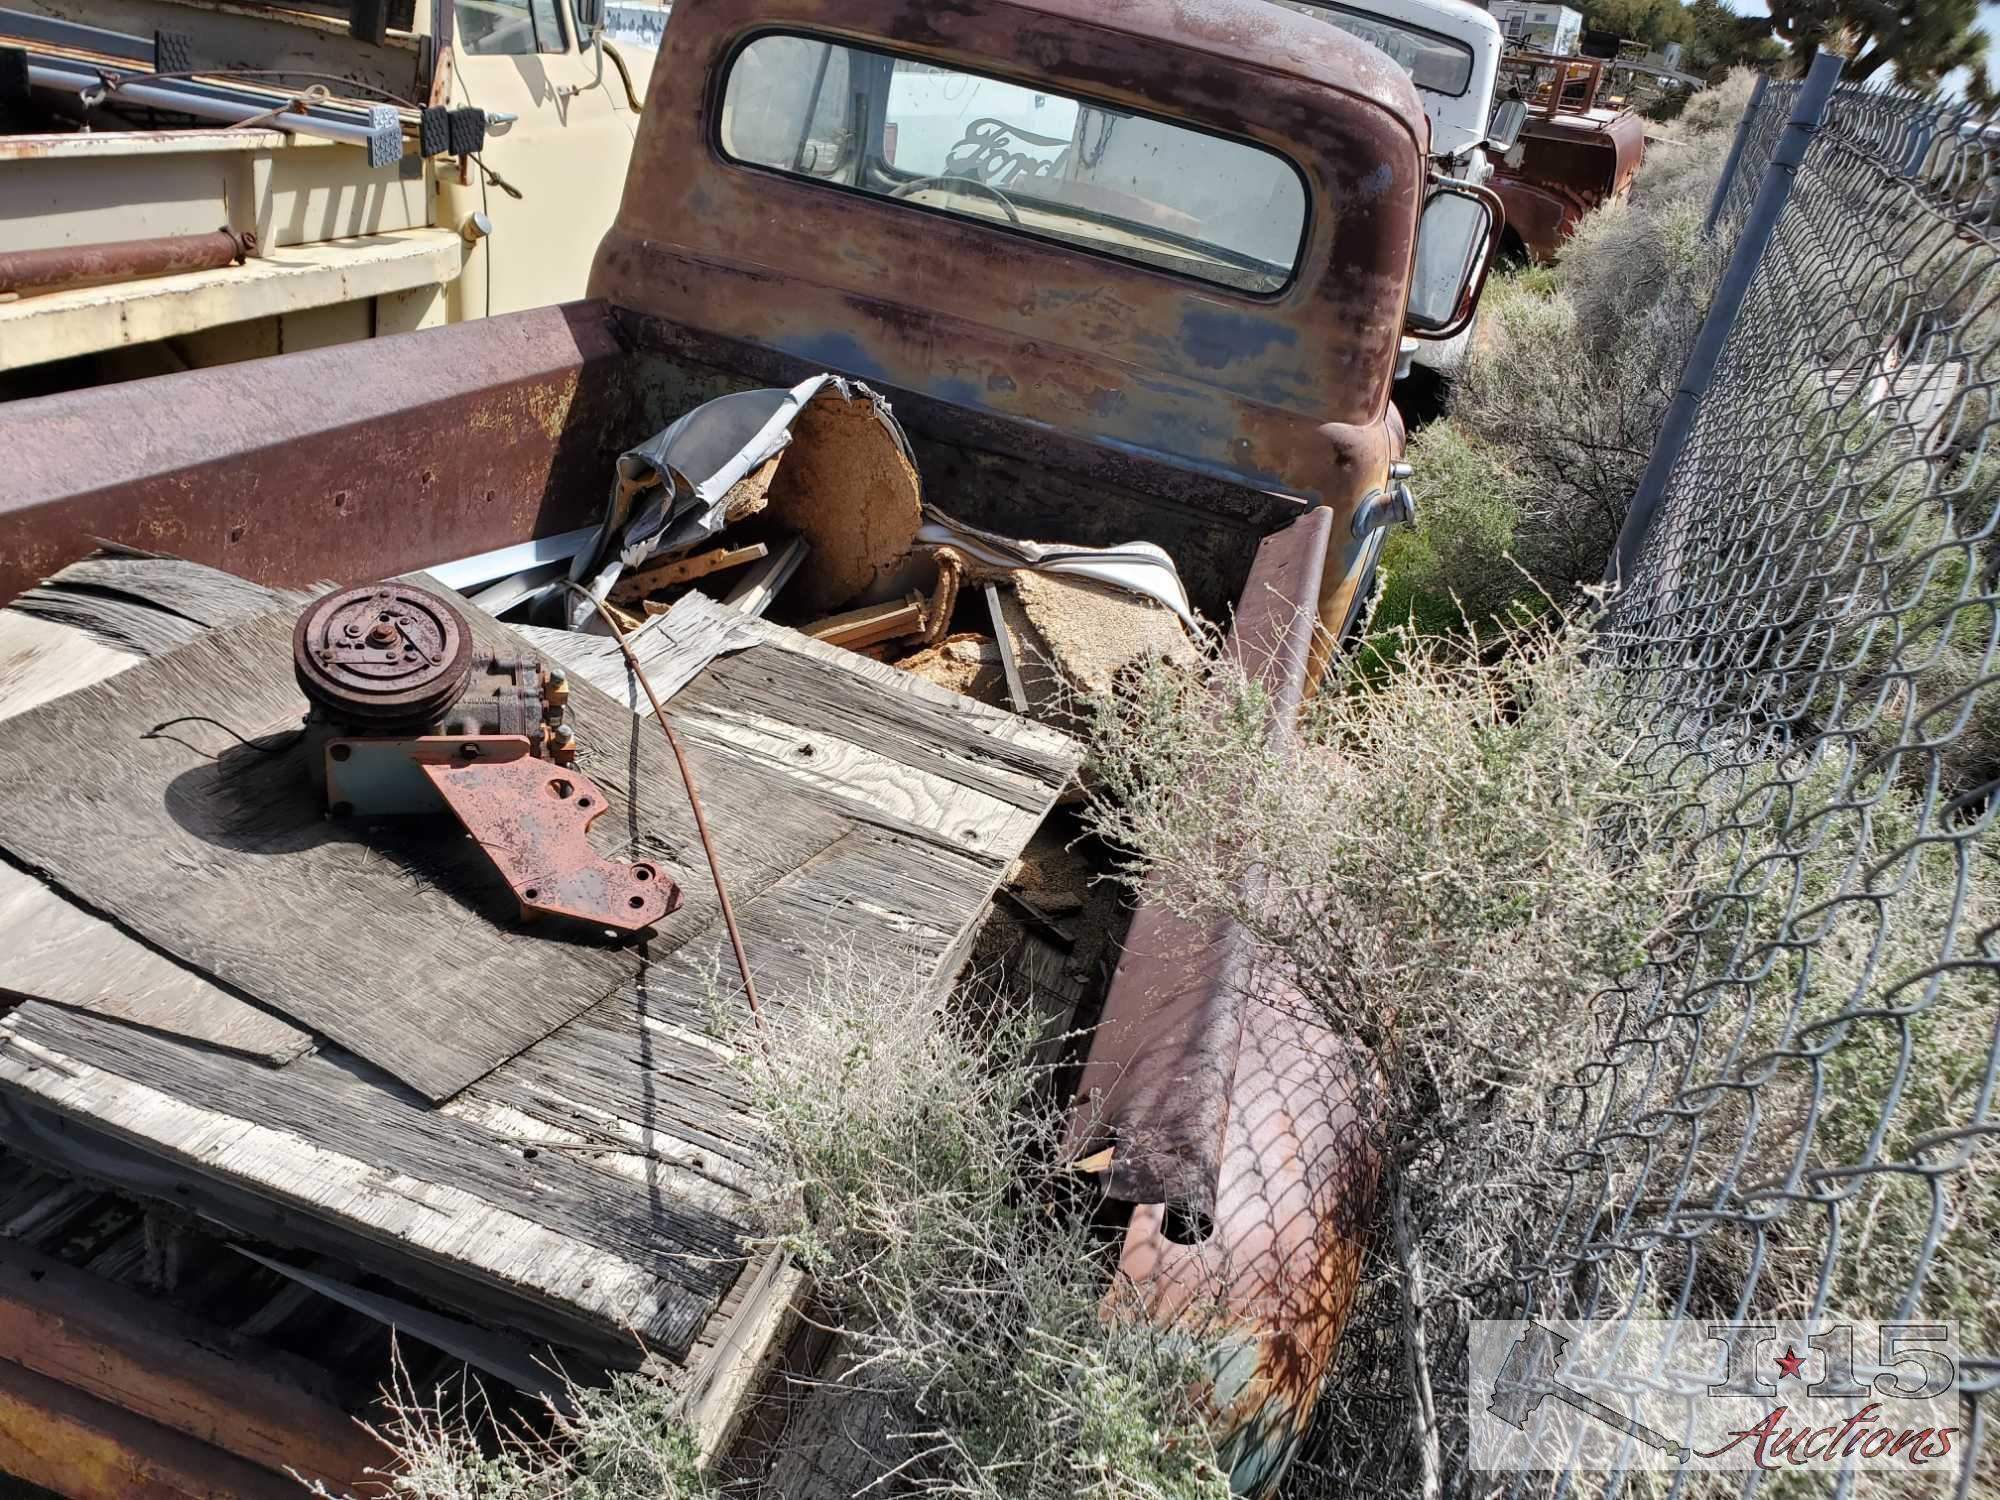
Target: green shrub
[1453,564]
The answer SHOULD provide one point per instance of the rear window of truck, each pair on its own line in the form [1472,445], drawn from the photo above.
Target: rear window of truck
[1018,158]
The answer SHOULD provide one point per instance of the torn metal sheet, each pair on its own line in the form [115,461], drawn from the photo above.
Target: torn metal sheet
[496,1354]
[672,490]
[482,568]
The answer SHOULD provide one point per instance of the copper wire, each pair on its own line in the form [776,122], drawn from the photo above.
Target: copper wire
[694,801]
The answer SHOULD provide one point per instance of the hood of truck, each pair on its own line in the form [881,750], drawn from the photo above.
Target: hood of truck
[1285,392]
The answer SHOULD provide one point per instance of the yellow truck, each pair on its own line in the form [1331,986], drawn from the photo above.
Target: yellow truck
[193,182]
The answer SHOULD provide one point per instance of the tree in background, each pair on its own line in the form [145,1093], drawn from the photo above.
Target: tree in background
[1654,22]
[1723,40]
[1920,41]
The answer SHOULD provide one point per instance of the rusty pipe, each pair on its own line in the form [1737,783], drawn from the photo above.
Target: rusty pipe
[25,272]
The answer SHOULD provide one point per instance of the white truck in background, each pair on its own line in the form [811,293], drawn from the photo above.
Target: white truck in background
[1451,50]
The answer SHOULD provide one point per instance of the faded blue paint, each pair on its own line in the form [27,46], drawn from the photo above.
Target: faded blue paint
[842,353]
[958,392]
[1216,338]
[1376,183]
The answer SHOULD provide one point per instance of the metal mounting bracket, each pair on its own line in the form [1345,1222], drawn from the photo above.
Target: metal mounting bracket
[532,817]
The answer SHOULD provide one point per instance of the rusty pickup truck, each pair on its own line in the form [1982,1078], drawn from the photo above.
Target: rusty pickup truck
[1125,268]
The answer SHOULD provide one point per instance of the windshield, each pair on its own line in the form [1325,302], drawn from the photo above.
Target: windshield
[1026,160]
[1435,63]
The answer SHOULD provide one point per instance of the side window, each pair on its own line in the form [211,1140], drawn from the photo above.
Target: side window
[790,105]
[505,27]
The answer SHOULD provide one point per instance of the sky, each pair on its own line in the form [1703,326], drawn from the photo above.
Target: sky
[1989,21]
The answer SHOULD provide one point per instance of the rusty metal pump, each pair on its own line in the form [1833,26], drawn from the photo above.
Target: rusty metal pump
[408,718]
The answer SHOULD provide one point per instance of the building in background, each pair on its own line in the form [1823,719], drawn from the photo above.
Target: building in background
[1545,28]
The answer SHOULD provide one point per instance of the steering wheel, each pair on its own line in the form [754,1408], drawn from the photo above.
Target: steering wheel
[921,183]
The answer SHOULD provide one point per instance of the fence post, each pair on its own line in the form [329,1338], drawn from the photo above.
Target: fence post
[1736,152]
[1762,223]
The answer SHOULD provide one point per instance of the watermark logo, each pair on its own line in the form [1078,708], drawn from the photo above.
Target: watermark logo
[1825,1395]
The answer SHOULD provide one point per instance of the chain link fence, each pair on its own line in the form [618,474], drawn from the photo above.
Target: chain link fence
[1791,1113]
[1794,1112]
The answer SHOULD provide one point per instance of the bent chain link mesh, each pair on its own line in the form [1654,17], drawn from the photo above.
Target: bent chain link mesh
[1793,1110]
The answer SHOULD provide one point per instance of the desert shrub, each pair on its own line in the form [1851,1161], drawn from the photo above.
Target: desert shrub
[917,1179]
[913,1170]
[623,1441]
[1453,564]
[1454,863]
[1572,367]
[1714,110]
[1482,867]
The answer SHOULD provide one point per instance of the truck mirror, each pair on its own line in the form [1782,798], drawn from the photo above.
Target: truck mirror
[1456,242]
[1505,131]
[589,19]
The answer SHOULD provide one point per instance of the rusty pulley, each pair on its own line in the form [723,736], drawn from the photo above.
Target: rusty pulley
[385,655]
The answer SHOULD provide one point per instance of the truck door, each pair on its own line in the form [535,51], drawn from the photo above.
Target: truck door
[565,151]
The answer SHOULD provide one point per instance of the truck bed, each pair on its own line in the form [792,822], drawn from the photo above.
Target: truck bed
[588,1195]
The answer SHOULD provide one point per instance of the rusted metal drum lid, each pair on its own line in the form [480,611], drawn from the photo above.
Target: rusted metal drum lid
[388,656]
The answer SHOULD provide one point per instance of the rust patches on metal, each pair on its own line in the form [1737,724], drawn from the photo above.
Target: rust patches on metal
[305,467]
[387,667]
[1573,156]
[78,1331]
[55,1436]
[385,653]
[27,272]
[1283,394]
[532,818]
[1157,1081]
[1237,1118]
[1271,1272]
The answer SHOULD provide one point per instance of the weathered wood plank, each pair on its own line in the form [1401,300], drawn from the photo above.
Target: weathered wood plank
[599,1174]
[1049,751]
[54,950]
[636,585]
[672,650]
[41,659]
[861,755]
[320,1140]
[148,604]
[210,842]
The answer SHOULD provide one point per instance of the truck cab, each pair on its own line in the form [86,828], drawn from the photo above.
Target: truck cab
[1451,50]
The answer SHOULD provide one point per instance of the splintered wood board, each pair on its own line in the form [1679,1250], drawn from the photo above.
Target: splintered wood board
[393,937]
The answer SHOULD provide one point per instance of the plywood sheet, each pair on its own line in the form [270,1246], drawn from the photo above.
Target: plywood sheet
[591,1188]
[393,938]
[53,949]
